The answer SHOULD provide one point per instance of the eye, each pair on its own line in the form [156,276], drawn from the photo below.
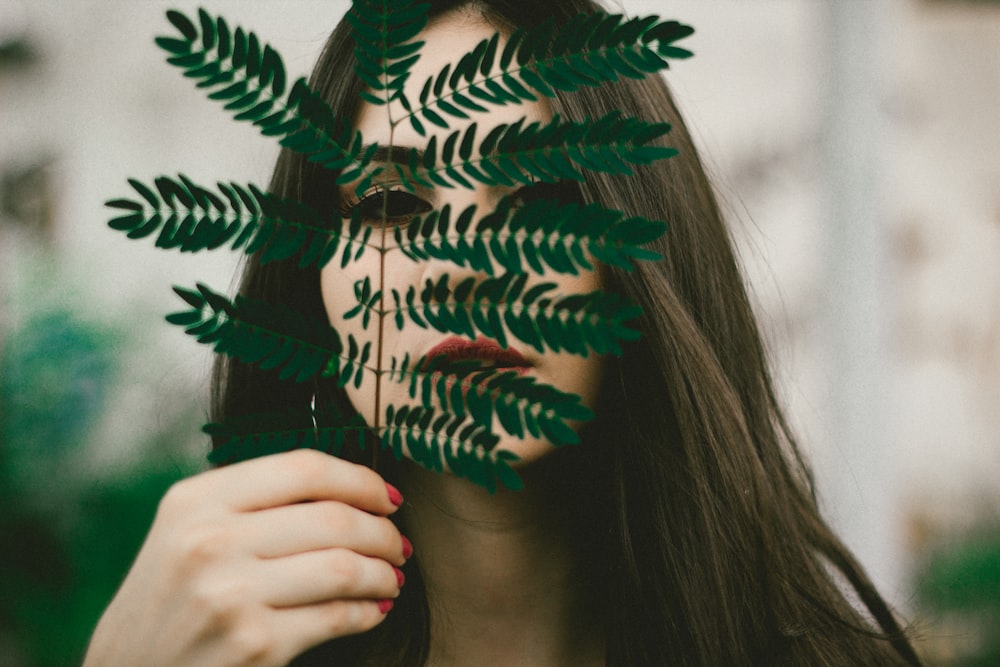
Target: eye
[396,206]
[564,192]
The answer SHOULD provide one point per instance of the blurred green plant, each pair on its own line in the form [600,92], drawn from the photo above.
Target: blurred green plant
[70,531]
[962,583]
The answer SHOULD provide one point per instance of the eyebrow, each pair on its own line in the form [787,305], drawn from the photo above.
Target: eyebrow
[393,154]
[397,155]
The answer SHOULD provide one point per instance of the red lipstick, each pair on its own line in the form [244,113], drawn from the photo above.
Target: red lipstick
[487,350]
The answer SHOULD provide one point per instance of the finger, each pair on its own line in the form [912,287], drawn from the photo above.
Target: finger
[297,476]
[324,576]
[311,625]
[293,529]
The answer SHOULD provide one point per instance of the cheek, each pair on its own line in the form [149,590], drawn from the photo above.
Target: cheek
[337,286]
[337,289]
[590,377]
[582,375]
[567,372]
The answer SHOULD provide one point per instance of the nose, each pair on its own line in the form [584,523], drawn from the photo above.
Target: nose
[435,269]
[446,276]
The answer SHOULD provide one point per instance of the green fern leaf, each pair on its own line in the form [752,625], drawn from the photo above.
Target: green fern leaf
[522,404]
[273,337]
[496,307]
[182,23]
[541,235]
[384,53]
[589,50]
[438,440]
[556,151]
[261,434]
[367,302]
[192,218]
[250,79]
[459,403]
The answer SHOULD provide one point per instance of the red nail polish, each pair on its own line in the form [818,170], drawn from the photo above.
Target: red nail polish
[395,497]
[384,606]
[407,547]
[400,577]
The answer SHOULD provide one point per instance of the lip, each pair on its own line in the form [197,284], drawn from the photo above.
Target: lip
[455,348]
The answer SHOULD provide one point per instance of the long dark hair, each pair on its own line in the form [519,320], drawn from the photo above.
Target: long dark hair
[712,547]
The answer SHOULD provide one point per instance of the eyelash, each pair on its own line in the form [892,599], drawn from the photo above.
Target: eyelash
[371,204]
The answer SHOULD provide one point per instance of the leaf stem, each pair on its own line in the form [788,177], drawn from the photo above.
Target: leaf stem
[381,315]
[516,71]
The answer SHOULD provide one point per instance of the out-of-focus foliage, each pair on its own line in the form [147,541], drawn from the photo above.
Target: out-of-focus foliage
[57,371]
[70,530]
[959,587]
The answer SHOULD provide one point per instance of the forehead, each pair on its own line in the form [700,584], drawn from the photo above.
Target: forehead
[446,39]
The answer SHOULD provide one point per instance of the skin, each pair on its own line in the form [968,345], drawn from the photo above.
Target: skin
[251,564]
[504,580]
[461,32]
[495,566]
[254,563]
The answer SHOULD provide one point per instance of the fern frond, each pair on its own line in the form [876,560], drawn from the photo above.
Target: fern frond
[385,52]
[327,140]
[191,218]
[541,235]
[522,405]
[589,50]
[517,153]
[260,434]
[367,302]
[435,440]
[272,337]
[496,307]
[250,80]
[453,406]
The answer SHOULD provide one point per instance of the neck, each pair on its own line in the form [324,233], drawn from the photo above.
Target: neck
[506,575]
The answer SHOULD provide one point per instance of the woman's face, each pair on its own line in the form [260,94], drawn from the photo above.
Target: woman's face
[446,39]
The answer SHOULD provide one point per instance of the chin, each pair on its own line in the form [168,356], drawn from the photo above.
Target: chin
[528,450]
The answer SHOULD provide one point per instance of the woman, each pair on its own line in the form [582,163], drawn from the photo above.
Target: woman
[681,531]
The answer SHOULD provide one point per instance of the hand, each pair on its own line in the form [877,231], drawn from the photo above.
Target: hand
[254,563]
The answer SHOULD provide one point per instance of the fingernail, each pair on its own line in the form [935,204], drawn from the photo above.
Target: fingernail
[400,577]
[395,497]
[384,606]
[407,547]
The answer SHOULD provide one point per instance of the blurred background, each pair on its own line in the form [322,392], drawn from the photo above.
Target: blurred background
[855,150]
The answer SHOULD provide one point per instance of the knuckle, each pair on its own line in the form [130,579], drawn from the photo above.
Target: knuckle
[219,600]
[315,462]
[345,566]
[390,533]
[386,585]
[390,540]
[308,463]
[179,497]
[330,514]
[225,611]
[200,546]
[367,477]
[307,456]
[251,643]
[352,617]
[336,518]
